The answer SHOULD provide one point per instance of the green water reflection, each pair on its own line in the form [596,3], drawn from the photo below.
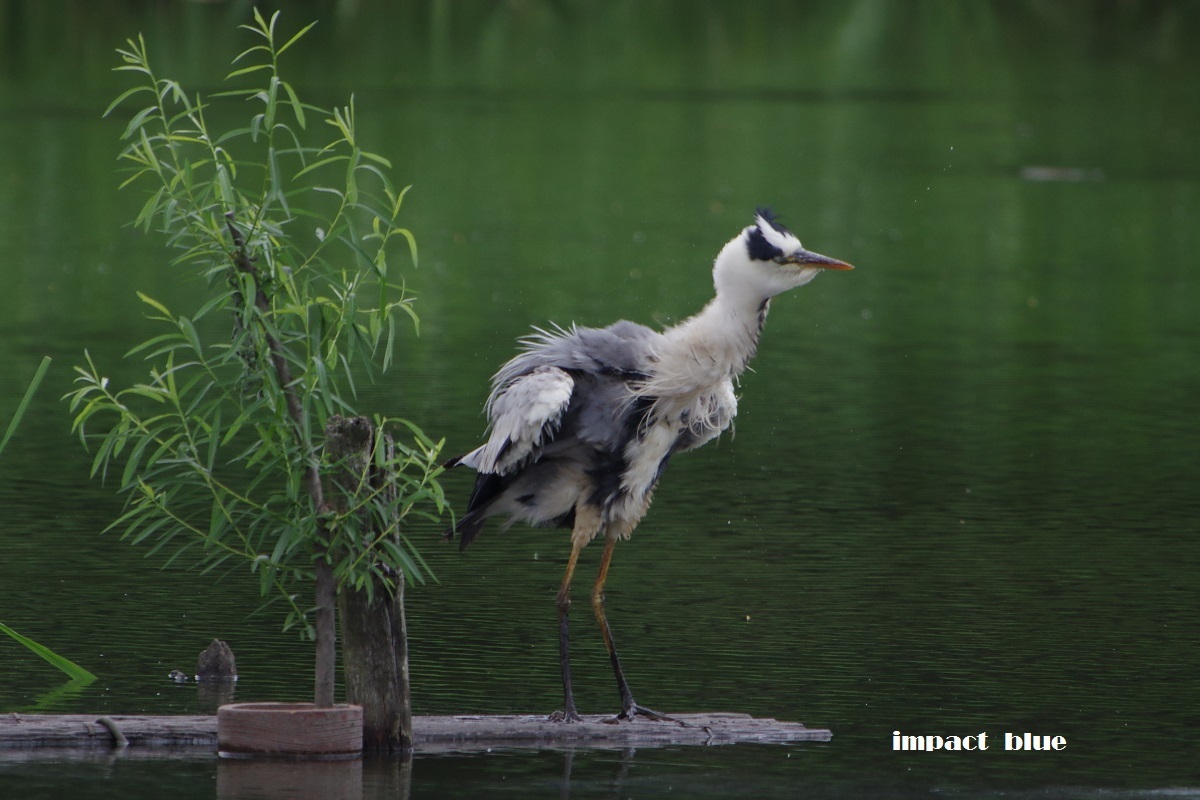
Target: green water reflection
[961,495]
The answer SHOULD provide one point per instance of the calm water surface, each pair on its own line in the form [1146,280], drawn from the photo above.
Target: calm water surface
[961,496]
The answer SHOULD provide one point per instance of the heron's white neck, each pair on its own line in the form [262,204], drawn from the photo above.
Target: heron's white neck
[711,347]
[714,346]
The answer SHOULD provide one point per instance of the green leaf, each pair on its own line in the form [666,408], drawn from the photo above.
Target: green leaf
[152,342]
[397,201]
[297,106]
[214,439]
[377,159]
[125,95]
[319,164]
[150,529]
[134,460]
[275,191]
[250,69]
[412,243]
[293,40]
[157,306]
[189,331]
[216,519]
[146,215]
[272,102]
[140,117]
[139,173]
[256,48]
[66,665]
[25,400]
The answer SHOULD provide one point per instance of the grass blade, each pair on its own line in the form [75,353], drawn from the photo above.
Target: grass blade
[73,670]
[20,412]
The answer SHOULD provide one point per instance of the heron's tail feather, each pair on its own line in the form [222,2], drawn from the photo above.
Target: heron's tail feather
[468,528]
[488,487]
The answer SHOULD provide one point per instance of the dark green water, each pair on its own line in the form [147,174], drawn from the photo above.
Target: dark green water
[962,492]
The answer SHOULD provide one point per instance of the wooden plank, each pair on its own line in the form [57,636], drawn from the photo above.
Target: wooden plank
[85,730]
[481,732]
[459,733]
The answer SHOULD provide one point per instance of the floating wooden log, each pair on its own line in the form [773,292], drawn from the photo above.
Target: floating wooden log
[90,730]
[481,732]
[461,733]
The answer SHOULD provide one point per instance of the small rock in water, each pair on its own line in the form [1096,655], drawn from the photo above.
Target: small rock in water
[179,676]
[216,663]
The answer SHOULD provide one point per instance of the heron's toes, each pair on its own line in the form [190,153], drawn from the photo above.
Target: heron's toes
[565,716]
[634,710]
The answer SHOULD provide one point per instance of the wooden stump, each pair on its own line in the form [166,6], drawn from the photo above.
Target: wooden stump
[301,730]
[375,663]
[374,637]
[216,663]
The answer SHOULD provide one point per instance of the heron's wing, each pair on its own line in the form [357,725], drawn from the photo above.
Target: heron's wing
[525,414]
[552,408]
[577,378]
[622,349]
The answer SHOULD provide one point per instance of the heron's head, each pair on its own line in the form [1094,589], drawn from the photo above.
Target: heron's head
[766,259]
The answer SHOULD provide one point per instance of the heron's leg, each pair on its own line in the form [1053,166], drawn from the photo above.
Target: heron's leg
[563,603]
[587,525]
[629,707]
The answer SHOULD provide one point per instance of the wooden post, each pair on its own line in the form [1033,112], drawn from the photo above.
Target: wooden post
[375,660]
[324,676]
[374,637]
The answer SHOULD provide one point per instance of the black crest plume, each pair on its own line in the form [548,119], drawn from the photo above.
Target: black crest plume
[757,245]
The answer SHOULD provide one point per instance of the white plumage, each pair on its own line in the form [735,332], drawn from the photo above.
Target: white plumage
[584,420]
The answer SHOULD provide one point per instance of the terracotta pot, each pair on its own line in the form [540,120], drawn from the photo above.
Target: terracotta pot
[298,730]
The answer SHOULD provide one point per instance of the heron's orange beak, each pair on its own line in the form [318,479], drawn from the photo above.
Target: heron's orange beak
[807,258]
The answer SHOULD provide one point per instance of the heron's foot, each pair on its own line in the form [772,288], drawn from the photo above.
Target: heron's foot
[634,710]
[570,715]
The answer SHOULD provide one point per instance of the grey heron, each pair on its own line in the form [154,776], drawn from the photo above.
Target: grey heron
[583,421]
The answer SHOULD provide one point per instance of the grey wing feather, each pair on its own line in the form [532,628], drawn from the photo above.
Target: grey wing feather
[565,402]
[533,392]
[524,414]
[622,348]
